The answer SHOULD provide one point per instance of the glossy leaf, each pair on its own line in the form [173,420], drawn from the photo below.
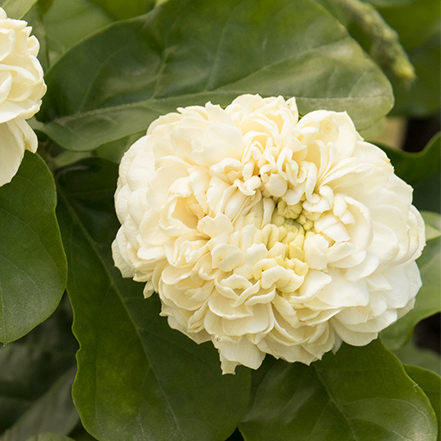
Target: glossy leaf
[50,437]
[137,378]
[188,52]
[430,383]
[33,274]
[414,168]
[17,8]
[427,301]
[30,367]
[54,412]
[357,394]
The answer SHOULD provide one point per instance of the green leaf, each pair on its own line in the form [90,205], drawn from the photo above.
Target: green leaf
[430,383]
[414,20]
[427,195]
[424,358]
[427,301]
[422,98]
[69,21]
[137,378]
[433,224]
[357,394]
[44,5]
[50,437]
[417,24]
[32,365]
[415,168]
[122,9]
[188,52]
[54,412]
[80,434]
[32,260]
[114,150]
[17,8]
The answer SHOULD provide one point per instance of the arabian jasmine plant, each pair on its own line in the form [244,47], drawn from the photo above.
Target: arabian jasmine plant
[219,220]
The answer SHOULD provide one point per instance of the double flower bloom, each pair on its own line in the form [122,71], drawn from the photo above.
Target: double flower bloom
[21,89]
[267,234]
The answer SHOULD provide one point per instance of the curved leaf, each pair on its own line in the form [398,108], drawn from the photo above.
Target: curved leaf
[17,8]
[415,168]
[427,300]
[430,383]
[433,224]
[32,259]
[357,394]
[188,52]
[137,378]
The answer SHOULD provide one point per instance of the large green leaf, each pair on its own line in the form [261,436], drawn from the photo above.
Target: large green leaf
[187,52]
[415,168]
[137,379]
[427,300]
[69,21]
[430,383]
[17,8]
[357,394]
[32,260]
[29,369]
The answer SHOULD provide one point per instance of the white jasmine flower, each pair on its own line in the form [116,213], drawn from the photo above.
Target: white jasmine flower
[16,136]
[21,89]
[21,75]
[267,234]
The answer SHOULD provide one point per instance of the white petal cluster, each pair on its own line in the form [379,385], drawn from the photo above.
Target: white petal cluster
[267,234]
[21,89]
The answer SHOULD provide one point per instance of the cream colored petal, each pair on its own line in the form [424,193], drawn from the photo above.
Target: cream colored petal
[242,352]
[16,136]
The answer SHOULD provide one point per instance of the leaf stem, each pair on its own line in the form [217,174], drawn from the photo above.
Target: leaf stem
[386,48]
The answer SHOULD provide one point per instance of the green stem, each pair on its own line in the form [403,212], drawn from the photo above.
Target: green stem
[386,48]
